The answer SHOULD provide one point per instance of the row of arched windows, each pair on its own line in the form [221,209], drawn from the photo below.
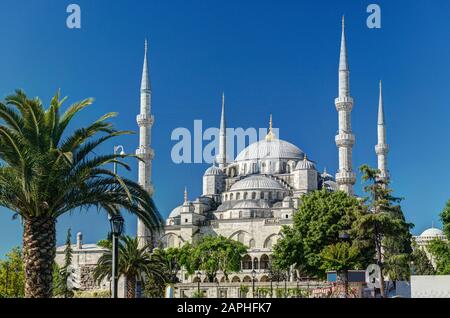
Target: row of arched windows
[255,195]
[268,166]
[262,263]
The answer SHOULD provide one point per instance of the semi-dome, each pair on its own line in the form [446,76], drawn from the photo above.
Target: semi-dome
[270,149]
[213,171]
[305,164]
[175,212]
[433,232]
[256,182]
[251,204]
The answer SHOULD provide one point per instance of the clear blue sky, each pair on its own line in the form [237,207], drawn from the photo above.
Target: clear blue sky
[277,57]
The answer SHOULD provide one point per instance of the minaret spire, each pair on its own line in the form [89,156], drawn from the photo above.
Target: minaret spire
[222,156]
[345,140]
[145,121]
[270,135]
[382,148]
[185,195]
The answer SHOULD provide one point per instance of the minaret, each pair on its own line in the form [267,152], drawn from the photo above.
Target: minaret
[382,149]
[222,156]
[145,122]
[345,140]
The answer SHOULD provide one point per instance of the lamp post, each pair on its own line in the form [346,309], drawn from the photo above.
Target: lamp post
[253,282]
[199,275]
[122,153]
[345,237]
[116,222]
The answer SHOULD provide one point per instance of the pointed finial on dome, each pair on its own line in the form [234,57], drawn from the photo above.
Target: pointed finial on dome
[270,136]
[343,21]
[324,170]
[305,157]
[432,224]
[185,195]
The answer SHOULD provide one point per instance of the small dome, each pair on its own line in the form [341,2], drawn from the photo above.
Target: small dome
[326,176]
[433,232]
[213,171]
[270,149]
[305,164]
[331,185]
[175,212]
[256,183]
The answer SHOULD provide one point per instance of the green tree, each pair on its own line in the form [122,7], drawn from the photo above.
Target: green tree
[154,286]
[170,260]
[341,257]
[383,222]
[12,282]
[321,218]
[213,254]
[64,287]
[47,171]
[420,264]
[440,250]
[445,217]
[134,264]
[106,243]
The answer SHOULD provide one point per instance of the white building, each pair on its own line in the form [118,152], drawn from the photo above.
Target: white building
[84,261]
[427,236]
[250,198]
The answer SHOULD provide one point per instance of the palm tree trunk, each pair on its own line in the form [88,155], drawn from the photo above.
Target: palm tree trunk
[131,287]
[39,240]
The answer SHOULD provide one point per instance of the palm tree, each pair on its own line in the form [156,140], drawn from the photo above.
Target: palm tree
[46,172]
[134,264]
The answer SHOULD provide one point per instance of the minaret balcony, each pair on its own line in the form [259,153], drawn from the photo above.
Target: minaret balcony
[345,140]
[381,149]
[345,177]
[145,153]
[344,103]
[145,120]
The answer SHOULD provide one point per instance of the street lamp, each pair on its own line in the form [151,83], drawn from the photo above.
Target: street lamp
[199,275]
[253,282]
[116,222]
[345,237]
[122,153]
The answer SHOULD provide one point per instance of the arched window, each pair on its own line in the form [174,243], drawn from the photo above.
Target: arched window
[251,244]
[221,216]
[245,195]
[247,262]
[247,279]
[265,278]
[236,279]
[255,263]
[253,195]
[238,196]
[264,262]
[231,196]
[269,242]
[262,195]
